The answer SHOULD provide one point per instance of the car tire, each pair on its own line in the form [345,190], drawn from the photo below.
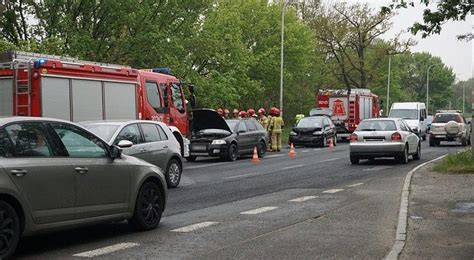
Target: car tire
[432,142]
[464,141]
[423,138]
[417,155]
[354,159]
[9,229]
[403,158]
[324,143]
[334,140]
[232,153]
[173,173]
[262,149]
[191,158]
[148,208]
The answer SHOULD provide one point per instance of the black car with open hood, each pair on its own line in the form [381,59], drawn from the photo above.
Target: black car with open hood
[214,136]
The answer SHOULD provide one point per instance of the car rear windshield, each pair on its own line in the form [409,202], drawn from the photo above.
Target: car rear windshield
[377,125]
[404,113]
[444,118]
[103,131]
[311,122]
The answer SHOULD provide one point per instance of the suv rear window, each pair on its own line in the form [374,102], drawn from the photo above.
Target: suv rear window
[444,118]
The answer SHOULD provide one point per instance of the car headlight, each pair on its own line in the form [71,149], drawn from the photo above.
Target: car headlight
[293,133]
[220,141]
[317,133]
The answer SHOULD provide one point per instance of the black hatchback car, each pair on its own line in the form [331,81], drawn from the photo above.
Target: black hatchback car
[313,130]
[213,136]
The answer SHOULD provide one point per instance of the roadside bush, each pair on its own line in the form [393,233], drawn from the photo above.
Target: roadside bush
[456,163]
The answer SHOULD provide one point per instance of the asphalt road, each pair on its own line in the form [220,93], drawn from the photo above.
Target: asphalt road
[316,205]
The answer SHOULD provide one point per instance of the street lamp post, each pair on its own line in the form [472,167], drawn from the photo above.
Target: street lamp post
[428,85]
[281,53]
[388,82]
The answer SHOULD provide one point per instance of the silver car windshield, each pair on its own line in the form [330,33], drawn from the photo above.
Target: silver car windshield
[377,125]
[311,122]
[103,131]
[404,113]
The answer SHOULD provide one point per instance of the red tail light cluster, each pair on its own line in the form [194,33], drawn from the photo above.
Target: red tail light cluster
[397,137]
[354,138]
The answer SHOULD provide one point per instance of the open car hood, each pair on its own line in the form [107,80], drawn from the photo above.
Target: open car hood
[321,112]
[208,119]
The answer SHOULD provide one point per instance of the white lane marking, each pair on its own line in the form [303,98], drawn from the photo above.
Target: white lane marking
[377,168]
[258,211]
[203,166]
[333,190]
[292,167]
[330,160]
[317,149]
[274,155]
[305,198]
[106,250]
[240,176]
[305,151]
[355,185]
[194,227]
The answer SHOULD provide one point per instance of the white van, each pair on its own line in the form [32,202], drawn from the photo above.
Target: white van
[414,113]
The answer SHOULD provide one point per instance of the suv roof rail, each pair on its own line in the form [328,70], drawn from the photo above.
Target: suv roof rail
[448,111]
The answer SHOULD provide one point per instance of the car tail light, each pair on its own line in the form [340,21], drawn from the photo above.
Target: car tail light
[397,137]
[354,138]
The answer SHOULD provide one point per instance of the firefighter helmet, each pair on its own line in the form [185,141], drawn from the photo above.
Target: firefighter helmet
[251,112]
[243,114]
[272,111]
[261,111]
[276,112]
[235,111]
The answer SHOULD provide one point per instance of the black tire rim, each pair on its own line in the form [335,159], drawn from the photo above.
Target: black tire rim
[174,171]
[150,206]
[233,152]
[7,232]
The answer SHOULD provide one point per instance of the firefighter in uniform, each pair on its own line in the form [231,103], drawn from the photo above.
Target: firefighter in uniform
[276,125]
[235,113]
[251,113]
[226,113]
[264,121]
[242,114]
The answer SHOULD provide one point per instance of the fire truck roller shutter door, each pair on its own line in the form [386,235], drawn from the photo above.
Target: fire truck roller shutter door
[121,95]
[6,97]
[55,98]
[86,100]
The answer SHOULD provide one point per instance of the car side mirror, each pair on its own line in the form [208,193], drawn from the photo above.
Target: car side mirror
[125,144]
[116,152]
[241,131]
[326,126]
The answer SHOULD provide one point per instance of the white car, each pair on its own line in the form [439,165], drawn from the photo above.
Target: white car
[450,125]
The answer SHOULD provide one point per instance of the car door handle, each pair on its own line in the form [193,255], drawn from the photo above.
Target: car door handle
[19,173]
[165,147]
[81,170]
[143,150]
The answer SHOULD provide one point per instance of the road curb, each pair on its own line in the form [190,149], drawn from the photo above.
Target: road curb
[401,234]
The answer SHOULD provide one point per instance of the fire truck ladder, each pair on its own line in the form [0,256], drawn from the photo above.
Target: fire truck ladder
[22,86]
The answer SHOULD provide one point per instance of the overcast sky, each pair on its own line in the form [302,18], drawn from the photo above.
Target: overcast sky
[457,54]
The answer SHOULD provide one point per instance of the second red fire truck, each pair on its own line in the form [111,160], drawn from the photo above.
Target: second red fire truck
[61,87]
[349,109]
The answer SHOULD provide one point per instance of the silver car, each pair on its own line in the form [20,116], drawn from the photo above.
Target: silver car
[384,137]
[55,174]
[148,140]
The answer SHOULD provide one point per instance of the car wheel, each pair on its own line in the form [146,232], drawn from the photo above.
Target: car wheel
[233,153]
[9,230]
[191,158]
[424,138]
[417,155]
[464,141]
[354,159]
[432,142]
[324,142]
[403,158]
[148,209]
[262,148]
[173,173]
[334,140]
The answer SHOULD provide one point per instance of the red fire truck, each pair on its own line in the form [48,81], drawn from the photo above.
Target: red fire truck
[61,87]
[349,109]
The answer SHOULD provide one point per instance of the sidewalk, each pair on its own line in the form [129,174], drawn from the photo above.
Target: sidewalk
[440,216]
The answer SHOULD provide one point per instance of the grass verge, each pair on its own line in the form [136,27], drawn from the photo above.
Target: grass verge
[456,163]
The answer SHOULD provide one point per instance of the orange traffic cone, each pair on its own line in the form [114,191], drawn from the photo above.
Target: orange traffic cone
[331,143]
[255,159]
[292,152]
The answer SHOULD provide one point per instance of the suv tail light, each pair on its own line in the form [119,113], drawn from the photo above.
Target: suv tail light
[354,138]
[397,137]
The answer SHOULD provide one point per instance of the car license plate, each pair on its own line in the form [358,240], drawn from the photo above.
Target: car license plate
[199,147]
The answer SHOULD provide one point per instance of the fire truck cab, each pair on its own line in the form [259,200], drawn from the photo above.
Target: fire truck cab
[34,84]
[348,109]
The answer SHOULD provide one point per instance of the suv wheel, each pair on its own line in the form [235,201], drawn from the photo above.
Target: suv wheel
[173,173]
[9,230]
[354,159]
[148,210]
